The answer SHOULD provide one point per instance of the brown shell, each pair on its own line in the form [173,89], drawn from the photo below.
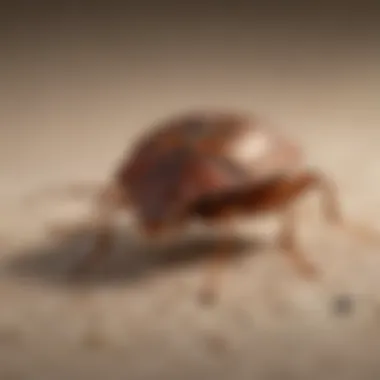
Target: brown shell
[195,154]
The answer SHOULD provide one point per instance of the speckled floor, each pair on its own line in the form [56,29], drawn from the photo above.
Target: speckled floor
[75,101]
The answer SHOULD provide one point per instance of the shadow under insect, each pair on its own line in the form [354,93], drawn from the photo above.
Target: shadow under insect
[130,260]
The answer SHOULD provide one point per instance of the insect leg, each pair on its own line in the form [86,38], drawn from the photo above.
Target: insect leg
[288,243]
[330,207]
[216,265]
[110,200]
[332,213]
[291,190]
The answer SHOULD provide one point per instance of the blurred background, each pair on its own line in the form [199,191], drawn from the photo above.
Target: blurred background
[79,82]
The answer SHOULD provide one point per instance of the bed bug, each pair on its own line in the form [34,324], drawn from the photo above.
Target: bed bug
[212,166]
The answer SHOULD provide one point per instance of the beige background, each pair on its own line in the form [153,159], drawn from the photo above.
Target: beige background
[76,90]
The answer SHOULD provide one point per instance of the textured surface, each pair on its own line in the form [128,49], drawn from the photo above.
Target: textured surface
[75,102]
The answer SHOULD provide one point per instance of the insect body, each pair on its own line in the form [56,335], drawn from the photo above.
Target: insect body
[211,166]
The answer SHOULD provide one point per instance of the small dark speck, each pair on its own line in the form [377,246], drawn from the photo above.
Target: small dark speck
[343,304]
